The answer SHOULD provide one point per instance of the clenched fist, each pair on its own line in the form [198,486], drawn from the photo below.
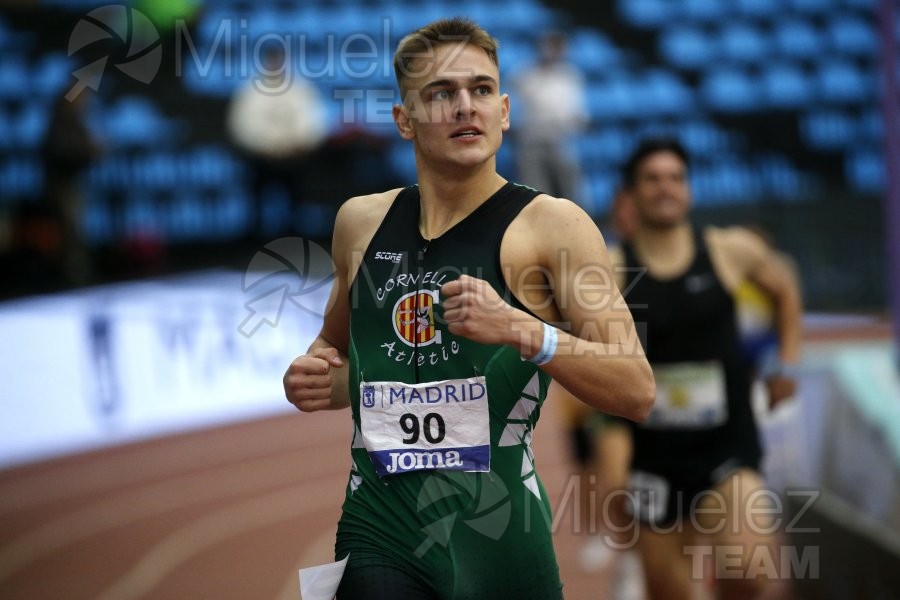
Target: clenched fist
[309,379]
[474,310]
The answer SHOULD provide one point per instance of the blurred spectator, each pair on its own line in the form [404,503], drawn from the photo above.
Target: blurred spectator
[277,121]
[68,150]
[553,102]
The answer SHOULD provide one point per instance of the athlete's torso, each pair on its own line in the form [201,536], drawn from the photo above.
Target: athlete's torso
[702,415]
[442,509]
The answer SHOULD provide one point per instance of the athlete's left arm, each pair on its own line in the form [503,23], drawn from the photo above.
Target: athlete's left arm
[599,358]
[763,266]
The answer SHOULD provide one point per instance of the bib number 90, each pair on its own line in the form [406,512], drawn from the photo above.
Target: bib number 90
[432,428]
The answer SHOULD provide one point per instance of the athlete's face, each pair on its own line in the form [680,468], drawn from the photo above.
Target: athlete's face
[661,194]
[453,110]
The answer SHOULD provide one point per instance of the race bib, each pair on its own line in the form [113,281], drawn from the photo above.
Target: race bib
[689,396]
[435,425]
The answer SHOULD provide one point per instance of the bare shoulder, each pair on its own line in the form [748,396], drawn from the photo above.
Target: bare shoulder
[359,212]
[552,224]
[541,246]
[359,217]
[736,252]
[546,210]
[356,223]
[736,242]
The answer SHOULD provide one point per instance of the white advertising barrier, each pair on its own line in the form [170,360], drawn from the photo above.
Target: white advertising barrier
[119,363]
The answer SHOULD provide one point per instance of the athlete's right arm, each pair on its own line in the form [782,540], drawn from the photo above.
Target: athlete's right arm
[319,379]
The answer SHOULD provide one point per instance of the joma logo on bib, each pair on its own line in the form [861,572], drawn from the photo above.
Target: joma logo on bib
[414,461]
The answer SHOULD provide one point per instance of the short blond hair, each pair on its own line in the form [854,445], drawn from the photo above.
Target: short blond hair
[422,41]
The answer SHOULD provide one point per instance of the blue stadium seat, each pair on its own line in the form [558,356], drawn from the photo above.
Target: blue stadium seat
[688,47]
[604,145]
[185,218]
[135,121]
[483,13]
[869,5]
[703,11]
[314,220]
[506,159]
[841,81]
[812,6]
[730,90]
[141,213]
[217,23]
[350,18]
[402,161]
[614,97]
[6,124]
[516,54]
[213,81]
[592,52]
[15,41]
[21,177]
[852,35]
[403,22]
[743,42]
[797,38]
[602,185]
[865,170]
[521,16]
[665,93]
[871,126]
[781,180]
[703,138]
[52,74]
[158,171]
[231,211]
[767,9]
[31,124]
[97,221]
[15,82]
[429,11]
[727,180]
[212,166]
[786,86]
[647,14]
[264,20]
[308,20]
[828,130]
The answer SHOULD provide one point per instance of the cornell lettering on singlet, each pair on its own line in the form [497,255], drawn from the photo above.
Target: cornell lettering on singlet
[423,426]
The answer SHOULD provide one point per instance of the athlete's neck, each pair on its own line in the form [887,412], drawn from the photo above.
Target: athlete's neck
[664,245]
[447,198]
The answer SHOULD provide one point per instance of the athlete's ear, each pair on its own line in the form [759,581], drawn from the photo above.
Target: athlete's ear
[504,112]
[403,122]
